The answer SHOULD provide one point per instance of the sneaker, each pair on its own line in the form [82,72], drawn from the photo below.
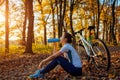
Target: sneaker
[37,75]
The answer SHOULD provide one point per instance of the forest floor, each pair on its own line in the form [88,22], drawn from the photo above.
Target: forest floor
[19,67]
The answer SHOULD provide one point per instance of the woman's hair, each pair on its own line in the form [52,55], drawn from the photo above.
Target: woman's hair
[68,36]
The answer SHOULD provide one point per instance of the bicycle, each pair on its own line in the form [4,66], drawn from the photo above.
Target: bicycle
[95,50]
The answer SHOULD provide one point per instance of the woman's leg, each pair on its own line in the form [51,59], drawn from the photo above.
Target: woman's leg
[65,64]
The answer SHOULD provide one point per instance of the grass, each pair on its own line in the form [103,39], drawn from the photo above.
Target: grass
[37,48]
[16,49]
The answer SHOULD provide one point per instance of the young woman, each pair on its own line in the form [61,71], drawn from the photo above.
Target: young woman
[72,65]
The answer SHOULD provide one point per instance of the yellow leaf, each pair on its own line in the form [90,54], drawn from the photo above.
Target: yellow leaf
[82,11]
[23,0]
[1,2]
[38,7]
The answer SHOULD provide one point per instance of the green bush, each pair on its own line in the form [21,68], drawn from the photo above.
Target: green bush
[2,50]
[37,48]
[15,49]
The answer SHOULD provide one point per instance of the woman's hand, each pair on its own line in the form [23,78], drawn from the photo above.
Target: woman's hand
[53,56]
[41,64]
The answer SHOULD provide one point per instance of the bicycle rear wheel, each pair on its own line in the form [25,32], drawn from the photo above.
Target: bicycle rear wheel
[102,58]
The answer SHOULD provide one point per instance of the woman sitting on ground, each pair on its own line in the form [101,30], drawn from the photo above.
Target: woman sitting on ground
[72,66]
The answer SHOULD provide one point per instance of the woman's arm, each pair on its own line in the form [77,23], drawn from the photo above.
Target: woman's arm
[53,56]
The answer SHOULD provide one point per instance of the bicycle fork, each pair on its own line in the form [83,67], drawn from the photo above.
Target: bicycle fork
[85,44]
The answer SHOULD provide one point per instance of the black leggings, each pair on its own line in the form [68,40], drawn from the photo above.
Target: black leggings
[65,64]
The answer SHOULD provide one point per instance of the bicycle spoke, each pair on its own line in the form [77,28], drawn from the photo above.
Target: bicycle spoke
[102,58]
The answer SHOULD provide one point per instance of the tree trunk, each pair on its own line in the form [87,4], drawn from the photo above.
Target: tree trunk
[44,22]
[106,31]
[45,35]
[60,21]
[71,24]
[110,34]
[119,35]
[60,17]
[103,37]
[53,20]
[71,13]
[24,25]
[100,8]
[30,26]
[113,24]
[64,10]
[7,27]
[98,19]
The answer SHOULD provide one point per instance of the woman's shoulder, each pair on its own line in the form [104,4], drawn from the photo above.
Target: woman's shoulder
[67,44]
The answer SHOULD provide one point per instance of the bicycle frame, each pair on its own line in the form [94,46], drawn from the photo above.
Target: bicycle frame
[87,46]
[95,50]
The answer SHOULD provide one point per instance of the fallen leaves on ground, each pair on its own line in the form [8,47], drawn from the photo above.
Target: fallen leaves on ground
[19,67]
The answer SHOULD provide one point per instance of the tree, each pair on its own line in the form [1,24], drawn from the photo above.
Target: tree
[60,15]
[53,20]
[7,27]
[44,22]
[24,24]
[113,24]
[71,23]
[30,26]
[98,16]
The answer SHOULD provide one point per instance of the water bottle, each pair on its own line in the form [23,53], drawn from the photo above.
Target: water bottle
[53,40]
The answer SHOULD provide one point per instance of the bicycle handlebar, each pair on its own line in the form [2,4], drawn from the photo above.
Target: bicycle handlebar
[80,31]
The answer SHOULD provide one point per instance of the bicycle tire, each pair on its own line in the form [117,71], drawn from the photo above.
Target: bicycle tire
[102,61]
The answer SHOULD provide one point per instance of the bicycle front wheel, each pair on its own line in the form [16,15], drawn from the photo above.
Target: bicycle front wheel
[102,58]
